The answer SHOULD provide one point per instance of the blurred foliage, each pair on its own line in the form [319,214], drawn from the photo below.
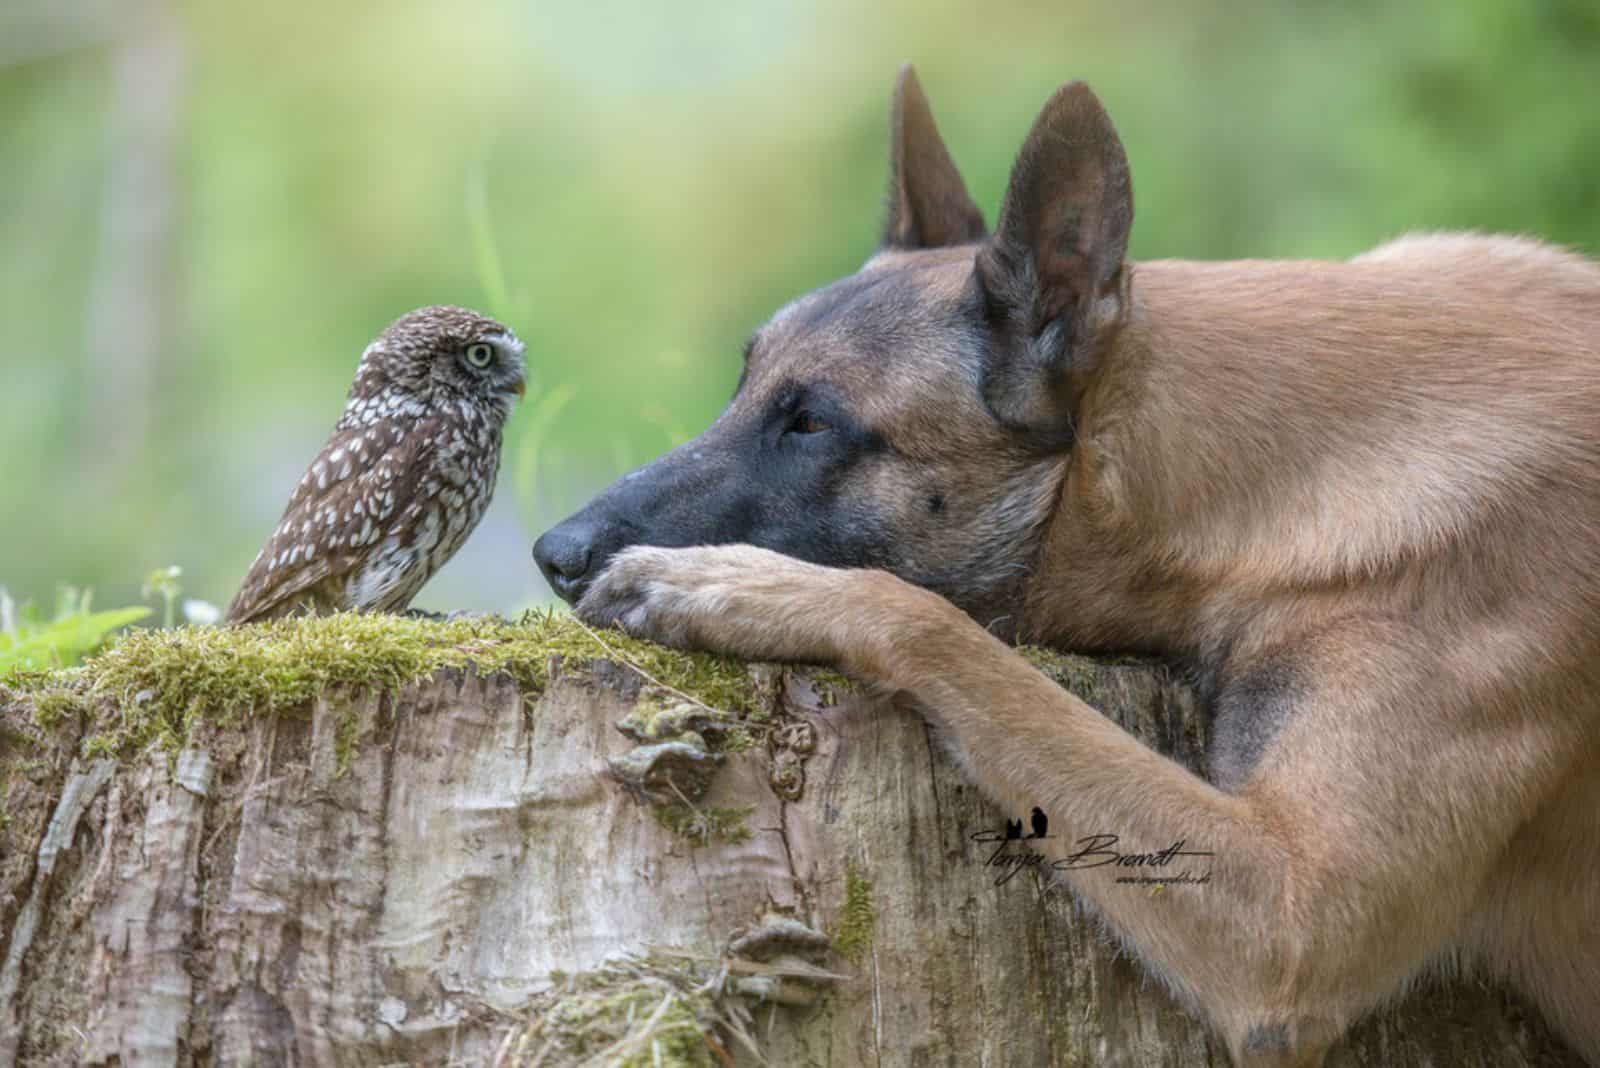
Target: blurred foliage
[163,583]
[29,642]
[634,187]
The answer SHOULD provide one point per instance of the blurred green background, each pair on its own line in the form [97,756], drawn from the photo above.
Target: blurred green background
[208,209]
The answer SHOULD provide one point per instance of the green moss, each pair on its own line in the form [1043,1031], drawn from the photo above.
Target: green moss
[50,707]
[718,681]
[740,739]
[1077,674]
[158,685]
[596,1019]
[830,684]
[853,935]
[700,826]
[636,1012]
[346,731]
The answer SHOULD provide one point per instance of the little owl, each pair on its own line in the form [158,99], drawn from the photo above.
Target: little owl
[405,476]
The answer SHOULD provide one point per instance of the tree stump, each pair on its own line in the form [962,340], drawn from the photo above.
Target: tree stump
[516,848]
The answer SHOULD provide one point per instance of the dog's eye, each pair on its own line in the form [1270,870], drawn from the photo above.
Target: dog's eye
[808,423]
[480,355]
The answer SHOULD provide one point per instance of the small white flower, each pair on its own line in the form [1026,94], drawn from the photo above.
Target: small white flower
[201,613]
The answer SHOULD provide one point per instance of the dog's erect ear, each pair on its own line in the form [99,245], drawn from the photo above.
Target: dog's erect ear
[1053,280]
[928,203]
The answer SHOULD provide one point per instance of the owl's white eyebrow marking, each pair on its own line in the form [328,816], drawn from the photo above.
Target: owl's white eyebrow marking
[509,343]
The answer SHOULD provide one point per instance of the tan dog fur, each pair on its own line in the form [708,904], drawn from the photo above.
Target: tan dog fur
[1364,497]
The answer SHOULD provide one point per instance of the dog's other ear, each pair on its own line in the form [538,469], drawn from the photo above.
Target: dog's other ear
[1052,277]
[928,203]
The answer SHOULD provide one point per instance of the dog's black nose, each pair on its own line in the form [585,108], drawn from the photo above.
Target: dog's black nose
[564,553]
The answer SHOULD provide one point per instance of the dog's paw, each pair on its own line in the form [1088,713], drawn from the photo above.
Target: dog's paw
[647,592]
[734,599]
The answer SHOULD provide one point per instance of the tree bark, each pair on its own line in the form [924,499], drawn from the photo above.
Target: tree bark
[461,872]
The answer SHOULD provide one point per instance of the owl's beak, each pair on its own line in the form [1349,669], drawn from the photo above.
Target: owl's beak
[522,389]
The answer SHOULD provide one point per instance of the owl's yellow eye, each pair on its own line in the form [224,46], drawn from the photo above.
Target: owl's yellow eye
[480,354]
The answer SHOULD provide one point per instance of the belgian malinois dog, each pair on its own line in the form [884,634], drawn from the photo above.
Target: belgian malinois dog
[1361,498]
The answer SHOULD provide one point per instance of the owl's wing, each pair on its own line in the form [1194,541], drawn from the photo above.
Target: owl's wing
[337,512]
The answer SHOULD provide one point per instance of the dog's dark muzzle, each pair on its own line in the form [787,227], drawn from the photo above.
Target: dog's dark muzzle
[684,498]
[564,554]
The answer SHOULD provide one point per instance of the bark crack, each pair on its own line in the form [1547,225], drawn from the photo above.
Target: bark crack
[788,856]
[80,790]
[933,776]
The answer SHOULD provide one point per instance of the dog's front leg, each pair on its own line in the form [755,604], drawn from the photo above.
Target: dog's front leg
[1346,861]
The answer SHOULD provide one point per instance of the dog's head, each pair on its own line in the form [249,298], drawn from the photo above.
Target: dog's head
[912,416]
